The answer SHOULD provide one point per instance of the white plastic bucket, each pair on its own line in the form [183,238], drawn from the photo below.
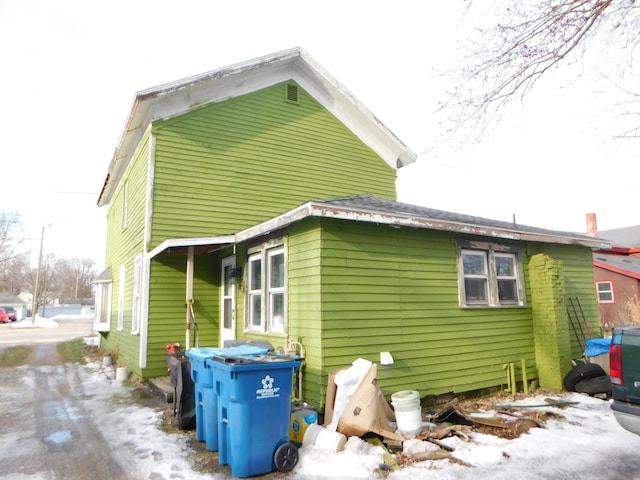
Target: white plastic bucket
[121,374]
[324,438]
[408,410]
[106,361]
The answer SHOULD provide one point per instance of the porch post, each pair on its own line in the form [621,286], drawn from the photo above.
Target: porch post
[189,296]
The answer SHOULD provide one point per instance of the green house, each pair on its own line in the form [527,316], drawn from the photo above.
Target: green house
[258,202]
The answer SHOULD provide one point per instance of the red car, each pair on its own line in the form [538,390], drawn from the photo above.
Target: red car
[4,318]
[11,313]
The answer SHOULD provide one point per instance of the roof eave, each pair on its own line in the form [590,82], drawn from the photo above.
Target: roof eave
[318,209]
[173,243]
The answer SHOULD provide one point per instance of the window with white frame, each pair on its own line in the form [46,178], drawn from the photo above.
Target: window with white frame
[266,291]
[605,292]
[137,295]
[490,275]
[103,306]
[121,282]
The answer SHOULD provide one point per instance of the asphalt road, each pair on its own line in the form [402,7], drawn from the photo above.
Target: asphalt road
[23,332]
[46,431]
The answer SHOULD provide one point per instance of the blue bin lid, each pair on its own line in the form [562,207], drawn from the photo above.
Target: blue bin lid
[240,350]
[197,353]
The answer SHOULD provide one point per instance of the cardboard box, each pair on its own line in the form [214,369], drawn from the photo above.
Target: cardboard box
[368,411]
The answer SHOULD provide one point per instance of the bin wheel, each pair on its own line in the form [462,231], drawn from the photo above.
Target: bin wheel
[286,457]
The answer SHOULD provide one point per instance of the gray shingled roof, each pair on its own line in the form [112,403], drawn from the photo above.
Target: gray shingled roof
[368,208]
[627,237]
[619,262]
[376,204]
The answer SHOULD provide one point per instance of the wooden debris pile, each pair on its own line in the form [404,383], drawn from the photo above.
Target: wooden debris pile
[453,419]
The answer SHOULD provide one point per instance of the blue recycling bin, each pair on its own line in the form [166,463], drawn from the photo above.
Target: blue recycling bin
[206,400]
[254,409]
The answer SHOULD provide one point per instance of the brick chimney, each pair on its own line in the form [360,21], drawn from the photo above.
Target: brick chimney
[592,225]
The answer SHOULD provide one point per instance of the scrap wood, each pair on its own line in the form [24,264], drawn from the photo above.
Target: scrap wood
[430,455]
[443,430]
[389,460]
[550,403]
[440,444]
[489,421]
[453,413]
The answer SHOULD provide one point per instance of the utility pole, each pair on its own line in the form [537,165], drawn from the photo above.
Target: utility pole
[34,301]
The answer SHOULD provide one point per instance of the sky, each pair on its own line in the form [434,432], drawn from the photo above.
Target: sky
[580,441]
[71,70]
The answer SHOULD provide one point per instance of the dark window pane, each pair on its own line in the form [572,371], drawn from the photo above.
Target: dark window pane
[277,309]
[256,310]
[256,274]
[505,266]
[473,264]
[277,270]
[507,291]
[227,313]
[475,290]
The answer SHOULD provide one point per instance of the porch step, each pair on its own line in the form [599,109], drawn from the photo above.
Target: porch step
[162,387]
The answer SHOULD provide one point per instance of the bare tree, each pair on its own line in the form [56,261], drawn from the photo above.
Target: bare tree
[526,40]
[14,273]
[74,278]
[10,228]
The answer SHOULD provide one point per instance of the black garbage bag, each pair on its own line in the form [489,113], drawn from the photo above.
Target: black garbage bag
[184,404]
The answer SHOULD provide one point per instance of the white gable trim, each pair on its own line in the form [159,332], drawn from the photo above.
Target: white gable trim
[177,98]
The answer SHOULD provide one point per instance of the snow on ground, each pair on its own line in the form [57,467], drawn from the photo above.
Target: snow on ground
[51,322]
[581,443]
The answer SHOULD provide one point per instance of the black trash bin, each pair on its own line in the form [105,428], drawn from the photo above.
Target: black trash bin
[184,406]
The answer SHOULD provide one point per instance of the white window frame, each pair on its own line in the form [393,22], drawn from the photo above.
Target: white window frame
[276,322]
[609,291]
[254,292]
[121,284]
[137,295]
[103,306]
[489,252]
[268,321]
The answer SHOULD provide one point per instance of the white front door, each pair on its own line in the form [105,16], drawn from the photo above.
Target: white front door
[227,302]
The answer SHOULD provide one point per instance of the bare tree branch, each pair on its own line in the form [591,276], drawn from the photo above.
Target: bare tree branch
[528,41]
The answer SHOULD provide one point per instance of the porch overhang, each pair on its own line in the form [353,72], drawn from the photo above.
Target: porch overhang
[179,246]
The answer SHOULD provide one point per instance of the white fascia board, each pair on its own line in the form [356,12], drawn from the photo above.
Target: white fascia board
[190,242]
[339,100]
[316,209]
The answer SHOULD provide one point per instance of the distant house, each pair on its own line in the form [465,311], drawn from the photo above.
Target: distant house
[257,202]
[617,274]
[21,306]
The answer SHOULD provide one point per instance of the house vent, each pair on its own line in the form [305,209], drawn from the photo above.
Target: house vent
[291,93]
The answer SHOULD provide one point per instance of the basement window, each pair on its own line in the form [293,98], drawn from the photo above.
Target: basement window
[605,292]
[490,275]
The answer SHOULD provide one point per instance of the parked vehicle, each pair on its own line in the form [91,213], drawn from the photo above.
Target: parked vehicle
[11,313]
[624,360]
[4,318]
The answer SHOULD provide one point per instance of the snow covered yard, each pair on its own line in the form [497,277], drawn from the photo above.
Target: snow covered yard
[581,440]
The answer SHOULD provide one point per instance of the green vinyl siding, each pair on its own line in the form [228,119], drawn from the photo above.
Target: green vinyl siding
[123,244]
[227,166]
[167,307]
[304,303]
[373,288]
